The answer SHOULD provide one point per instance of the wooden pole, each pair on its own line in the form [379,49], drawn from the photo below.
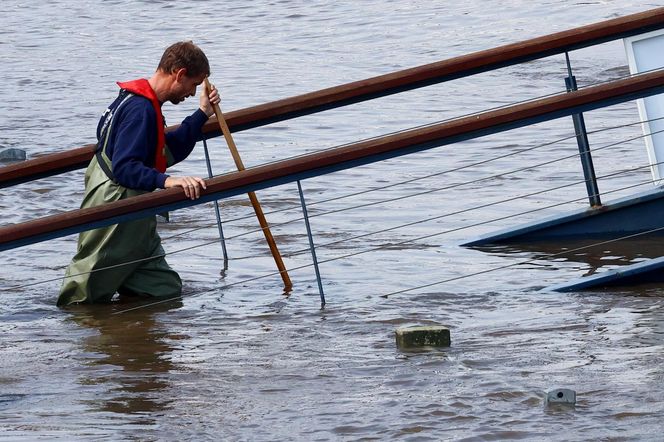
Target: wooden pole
[252,196]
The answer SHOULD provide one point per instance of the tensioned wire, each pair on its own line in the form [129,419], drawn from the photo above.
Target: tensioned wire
[391,185]
[518,197]
[528,261]
[397,198]
[390,245]
[349,208]
[561,92]
[428,285]
[456,169]
[381,231]
[454,186]
[428,125]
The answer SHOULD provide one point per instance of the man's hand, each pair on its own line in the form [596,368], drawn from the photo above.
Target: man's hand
[192,185]
[207,102]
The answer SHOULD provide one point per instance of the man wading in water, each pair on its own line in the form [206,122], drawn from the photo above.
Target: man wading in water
[131,159]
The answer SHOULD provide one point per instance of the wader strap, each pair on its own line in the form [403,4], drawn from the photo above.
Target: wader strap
[104,135]
[104,166]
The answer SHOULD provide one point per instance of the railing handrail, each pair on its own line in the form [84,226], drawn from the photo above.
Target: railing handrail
[332,160]
[382,85]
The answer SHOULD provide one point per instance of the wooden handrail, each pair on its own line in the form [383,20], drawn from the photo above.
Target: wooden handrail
[367,89]
[332,160]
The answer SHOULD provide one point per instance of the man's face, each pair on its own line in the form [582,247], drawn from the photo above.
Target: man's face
[184,86]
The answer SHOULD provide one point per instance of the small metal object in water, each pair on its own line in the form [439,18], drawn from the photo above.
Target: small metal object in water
[563,396]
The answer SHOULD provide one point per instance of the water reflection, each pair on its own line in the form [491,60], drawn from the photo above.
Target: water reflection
[596,253]
[129,358]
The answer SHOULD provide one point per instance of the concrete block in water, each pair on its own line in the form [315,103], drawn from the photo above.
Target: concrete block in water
[423,336]
[12,154]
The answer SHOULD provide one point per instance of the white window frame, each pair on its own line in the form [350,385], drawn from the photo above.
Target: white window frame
[650,107]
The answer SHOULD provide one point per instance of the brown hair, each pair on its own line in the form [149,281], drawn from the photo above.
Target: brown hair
[184,54]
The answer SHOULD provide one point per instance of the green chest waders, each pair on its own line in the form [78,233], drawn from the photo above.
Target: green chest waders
[126,258]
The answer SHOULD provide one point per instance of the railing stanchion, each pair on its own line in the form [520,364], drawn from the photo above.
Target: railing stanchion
[311,244]
[216,208]
[584,145]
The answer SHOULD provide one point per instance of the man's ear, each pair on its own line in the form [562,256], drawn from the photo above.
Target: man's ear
[180,73]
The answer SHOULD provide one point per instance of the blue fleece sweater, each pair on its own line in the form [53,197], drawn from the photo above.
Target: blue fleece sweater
[133,140]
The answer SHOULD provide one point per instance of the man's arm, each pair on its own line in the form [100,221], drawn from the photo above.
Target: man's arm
[181,141]
[185,137]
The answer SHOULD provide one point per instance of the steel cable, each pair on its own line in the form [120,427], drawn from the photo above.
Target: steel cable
[528,261]
[459,117]
[336,211]
[452,186]
[373,203]
[411,240]
[361,252]
[230,221]
[428,125]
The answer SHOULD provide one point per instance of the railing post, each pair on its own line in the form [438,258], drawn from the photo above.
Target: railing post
[311,244]
[584,146]
[216,208]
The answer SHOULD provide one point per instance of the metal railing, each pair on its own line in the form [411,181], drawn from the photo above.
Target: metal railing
[353,155]
[383,85]
[570,103]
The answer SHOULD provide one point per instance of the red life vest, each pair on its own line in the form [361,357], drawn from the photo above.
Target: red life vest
[142,87]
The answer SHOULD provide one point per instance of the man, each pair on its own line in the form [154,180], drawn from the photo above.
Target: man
[131,158]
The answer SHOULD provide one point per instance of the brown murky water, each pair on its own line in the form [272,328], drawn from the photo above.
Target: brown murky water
[236,359]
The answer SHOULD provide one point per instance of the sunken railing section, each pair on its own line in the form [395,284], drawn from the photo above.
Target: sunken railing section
[341,158]
[368,89]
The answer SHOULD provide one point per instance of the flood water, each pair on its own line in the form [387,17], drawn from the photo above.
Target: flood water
[236,358]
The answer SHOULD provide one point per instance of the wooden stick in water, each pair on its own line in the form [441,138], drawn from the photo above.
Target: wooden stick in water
[252,196]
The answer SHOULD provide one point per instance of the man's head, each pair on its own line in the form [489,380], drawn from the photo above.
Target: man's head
[187,66]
